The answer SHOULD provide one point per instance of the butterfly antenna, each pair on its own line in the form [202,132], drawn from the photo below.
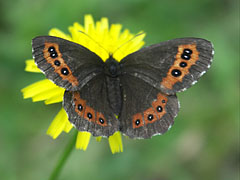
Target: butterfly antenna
[94,41]
[137,35]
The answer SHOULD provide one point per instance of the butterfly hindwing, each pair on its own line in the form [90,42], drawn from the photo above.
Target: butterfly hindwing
[145,110]
[67,64]
[89,109]
[170,66]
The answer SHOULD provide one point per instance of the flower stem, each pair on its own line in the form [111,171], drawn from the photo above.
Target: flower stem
[64,157]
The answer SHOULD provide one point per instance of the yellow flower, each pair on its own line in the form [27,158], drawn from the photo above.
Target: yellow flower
[100,39]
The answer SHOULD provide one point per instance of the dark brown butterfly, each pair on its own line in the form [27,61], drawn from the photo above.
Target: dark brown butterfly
[136,96]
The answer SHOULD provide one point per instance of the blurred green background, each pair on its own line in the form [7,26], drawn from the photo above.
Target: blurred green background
[202,144]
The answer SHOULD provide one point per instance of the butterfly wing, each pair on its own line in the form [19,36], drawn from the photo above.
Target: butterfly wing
[145,111]
[67,64]
[89,109]
[150,79]
[170,66]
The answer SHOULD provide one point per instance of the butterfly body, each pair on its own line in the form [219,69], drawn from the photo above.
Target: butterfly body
[112,67]
[136,96]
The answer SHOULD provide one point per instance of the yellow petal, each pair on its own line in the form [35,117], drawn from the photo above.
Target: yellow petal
[88,23]
[98,139]
[56,32]
[78,26]
[78,34]
[68,126]
[129,45]
[135,43]
[115,142]
[48,94]
[44,90]
[60,123]
[104,25]
[83,139]
[115,30]
[31,66]
[34,88]
[55,99]
[125,36]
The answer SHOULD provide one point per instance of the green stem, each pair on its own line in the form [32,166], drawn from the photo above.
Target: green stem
[64,157]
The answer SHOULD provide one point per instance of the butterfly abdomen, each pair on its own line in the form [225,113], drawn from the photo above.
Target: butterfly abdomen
[112,71]
[114,94]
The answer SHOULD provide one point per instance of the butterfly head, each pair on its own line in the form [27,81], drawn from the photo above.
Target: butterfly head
[112,67]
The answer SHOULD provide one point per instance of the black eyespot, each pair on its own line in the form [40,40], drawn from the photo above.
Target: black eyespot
[176,73]
[89,115]
[137,122]
[57,63]
[51,49]
[163,101]
[186,56]
[64,71]
[150,117]
[101,120]
[53,55]
[80,107]
[187,51]
[183,64]
[159,109]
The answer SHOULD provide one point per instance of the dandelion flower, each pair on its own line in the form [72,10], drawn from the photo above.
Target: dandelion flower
[100,39]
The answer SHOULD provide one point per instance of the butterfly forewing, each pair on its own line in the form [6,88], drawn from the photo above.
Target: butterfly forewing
[170,66]
[67,64]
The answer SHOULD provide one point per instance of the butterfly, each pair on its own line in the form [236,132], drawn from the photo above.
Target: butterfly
[136,96]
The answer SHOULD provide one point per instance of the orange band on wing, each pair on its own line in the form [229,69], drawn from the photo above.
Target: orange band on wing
[80,104]
[178,68]
[57,62]
[159,105]
[87,112]
[101,119]
[149,116]
[152,114]
[137,120]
